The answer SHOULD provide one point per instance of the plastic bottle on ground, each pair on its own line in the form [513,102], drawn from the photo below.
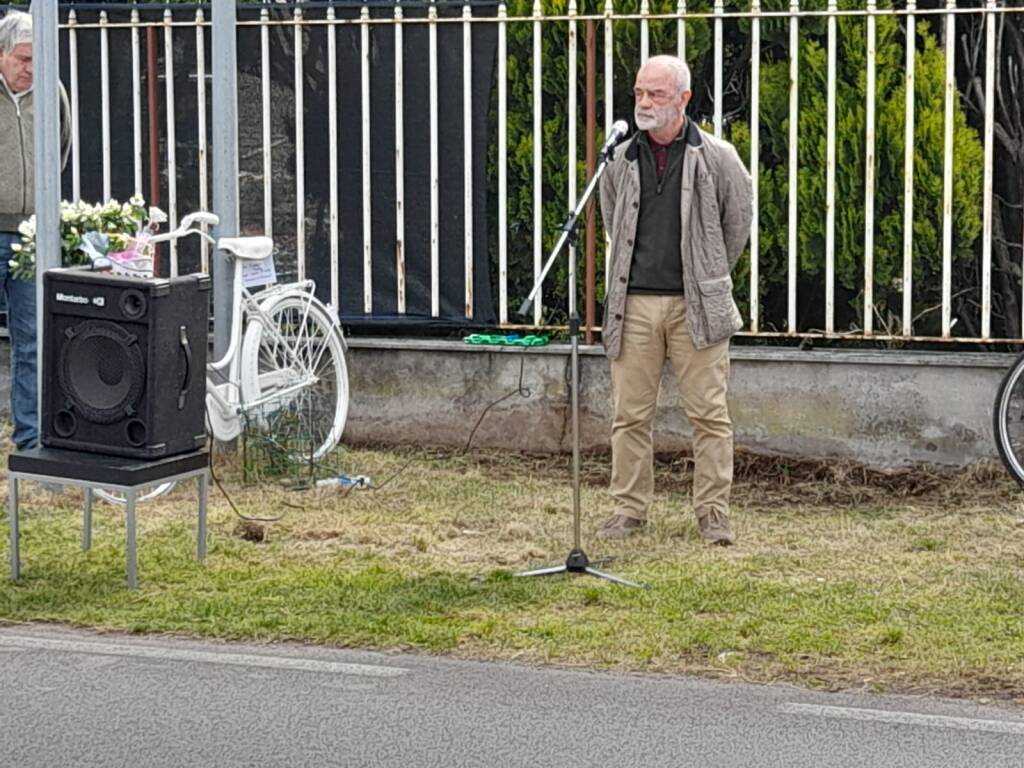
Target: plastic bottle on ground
[345,481]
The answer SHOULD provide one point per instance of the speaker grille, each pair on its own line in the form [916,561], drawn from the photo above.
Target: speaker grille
[102,371]
[109,362]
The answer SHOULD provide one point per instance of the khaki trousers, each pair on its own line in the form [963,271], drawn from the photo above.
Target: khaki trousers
[655,329]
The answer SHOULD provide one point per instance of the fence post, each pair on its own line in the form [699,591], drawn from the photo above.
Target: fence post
[46,138]
[225,160]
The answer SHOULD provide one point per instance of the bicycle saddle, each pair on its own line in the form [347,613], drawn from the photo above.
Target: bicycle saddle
[255,247]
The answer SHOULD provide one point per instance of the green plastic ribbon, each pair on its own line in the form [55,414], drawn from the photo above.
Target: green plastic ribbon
[506,340]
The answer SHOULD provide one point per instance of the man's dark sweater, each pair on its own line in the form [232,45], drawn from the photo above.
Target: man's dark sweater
[657,267]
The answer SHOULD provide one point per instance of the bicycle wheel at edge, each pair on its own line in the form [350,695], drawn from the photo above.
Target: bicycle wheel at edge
[318,412]
[1008,420]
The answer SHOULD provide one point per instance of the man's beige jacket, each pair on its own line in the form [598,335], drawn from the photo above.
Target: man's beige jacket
[715,214]
[17,160]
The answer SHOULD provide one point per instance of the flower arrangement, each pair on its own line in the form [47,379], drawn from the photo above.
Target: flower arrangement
[91,234]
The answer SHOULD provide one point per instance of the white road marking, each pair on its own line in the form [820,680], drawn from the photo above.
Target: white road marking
[906,718]
[100,648]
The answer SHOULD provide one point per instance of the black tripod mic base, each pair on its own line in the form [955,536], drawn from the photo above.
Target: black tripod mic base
[577,561]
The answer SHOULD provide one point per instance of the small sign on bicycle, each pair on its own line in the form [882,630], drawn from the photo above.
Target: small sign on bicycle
[260,272]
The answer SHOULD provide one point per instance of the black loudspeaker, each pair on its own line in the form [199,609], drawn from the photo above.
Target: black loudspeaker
[124,363]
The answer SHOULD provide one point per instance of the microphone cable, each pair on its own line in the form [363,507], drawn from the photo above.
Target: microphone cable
[520,389]
[223,490]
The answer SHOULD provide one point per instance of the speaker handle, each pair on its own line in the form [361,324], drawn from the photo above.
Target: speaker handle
[187,382]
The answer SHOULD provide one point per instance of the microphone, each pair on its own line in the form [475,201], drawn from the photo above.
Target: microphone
[619,131]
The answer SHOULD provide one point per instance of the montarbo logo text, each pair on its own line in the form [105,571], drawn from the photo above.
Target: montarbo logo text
[72,298]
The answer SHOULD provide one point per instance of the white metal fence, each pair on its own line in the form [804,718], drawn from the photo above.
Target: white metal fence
[799,278]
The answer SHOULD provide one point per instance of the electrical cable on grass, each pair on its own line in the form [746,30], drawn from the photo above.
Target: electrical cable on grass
[223,490]
[520,390]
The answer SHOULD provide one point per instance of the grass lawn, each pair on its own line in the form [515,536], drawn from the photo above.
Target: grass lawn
[842,578]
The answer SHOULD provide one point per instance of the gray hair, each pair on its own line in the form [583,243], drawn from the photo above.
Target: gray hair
[680,72]
[15,29]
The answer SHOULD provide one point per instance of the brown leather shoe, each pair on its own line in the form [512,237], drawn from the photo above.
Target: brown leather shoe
[620,526]
[714,528]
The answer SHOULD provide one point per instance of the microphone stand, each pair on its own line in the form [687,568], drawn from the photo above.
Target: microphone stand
[577,561]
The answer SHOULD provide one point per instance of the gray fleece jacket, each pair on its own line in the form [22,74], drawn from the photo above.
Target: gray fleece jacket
[17,159]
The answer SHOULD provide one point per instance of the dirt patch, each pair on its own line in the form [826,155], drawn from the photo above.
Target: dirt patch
[760,479]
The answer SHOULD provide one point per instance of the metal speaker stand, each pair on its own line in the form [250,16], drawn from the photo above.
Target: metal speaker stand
[577,561]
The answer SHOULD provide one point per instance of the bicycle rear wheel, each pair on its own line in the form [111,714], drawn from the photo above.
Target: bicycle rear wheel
[1008,420]
[296,371]
[147,494]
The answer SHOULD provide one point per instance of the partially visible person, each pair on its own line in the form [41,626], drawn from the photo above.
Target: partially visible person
[676,203]
[17,163]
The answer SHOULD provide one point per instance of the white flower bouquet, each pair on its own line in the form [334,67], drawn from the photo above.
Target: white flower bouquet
[110,235]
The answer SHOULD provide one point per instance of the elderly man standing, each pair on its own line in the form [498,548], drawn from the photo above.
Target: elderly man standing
[16,205]
[676,202]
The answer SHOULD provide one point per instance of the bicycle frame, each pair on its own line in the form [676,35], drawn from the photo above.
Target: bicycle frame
[245,307]
[237,374]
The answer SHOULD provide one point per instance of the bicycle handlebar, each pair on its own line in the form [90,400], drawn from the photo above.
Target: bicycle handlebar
[201,217]
[188,227]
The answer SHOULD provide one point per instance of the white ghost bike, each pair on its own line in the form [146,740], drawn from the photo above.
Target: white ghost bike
[285,362]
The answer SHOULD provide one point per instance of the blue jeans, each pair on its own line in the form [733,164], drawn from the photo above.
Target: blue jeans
[21,326]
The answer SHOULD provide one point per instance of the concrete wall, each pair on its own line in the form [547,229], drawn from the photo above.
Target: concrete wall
[884,409]
[887,408]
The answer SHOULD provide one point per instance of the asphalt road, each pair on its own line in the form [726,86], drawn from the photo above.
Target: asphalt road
[79,699]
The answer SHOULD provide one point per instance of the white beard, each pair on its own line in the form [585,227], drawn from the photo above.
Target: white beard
[653,119]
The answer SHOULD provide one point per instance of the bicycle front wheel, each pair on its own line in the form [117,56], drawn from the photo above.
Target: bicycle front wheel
[293,376]
[1008,420]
